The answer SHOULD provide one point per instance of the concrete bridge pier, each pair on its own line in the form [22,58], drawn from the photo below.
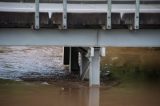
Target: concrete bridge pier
[94,71]
[87,64]
[90,65]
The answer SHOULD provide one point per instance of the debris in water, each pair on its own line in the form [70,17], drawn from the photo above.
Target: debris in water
[62,89]
[45,83]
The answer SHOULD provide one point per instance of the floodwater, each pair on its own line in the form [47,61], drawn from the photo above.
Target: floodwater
[76,94]
[33,62]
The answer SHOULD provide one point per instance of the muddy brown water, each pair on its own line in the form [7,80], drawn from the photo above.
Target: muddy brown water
[77,94]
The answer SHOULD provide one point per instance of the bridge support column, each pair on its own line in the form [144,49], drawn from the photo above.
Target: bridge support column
[94,72]
[89,63]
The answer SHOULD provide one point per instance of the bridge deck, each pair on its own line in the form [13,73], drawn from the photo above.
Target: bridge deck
[77,8]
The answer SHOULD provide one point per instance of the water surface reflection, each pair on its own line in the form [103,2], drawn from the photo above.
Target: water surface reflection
[94,96]
[37,94]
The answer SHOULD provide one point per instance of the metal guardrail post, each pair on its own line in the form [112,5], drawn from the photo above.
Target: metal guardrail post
[108,24]
[64,14]
[137,10]
[37,14]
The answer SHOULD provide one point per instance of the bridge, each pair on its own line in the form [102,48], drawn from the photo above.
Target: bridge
[84,28]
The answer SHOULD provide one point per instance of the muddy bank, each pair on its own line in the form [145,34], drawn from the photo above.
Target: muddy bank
[132,58]
[142,64]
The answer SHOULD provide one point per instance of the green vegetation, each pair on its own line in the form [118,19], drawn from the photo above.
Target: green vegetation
[4,81]
[132,76]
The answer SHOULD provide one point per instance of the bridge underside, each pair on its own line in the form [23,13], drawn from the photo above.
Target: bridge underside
[84,28]
[81,37]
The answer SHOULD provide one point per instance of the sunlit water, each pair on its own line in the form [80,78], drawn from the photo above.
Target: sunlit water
[23,61]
